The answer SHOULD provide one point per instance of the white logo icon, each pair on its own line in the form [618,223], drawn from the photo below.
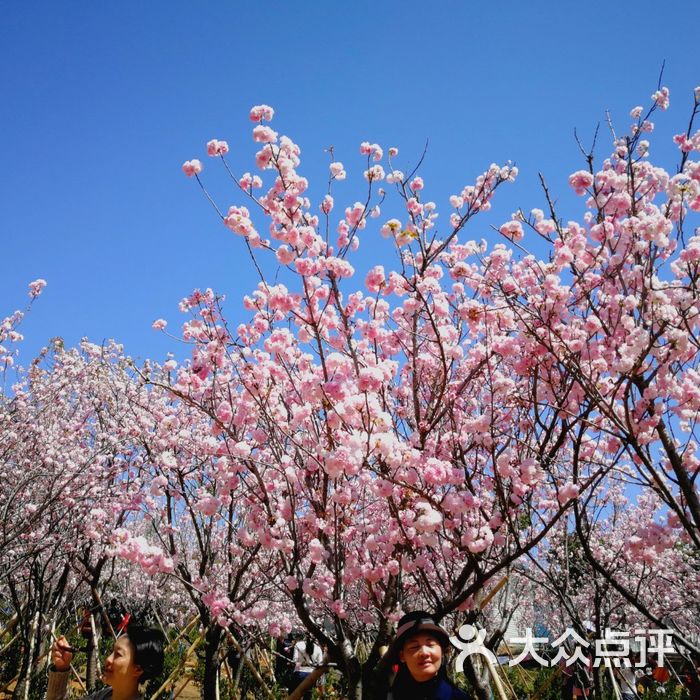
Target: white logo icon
[470,640]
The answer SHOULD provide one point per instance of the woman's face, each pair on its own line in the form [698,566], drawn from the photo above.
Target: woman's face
[120,671]
[422,655]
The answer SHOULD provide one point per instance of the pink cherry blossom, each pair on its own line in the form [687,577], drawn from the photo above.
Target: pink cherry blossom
[36,287]
[261,113]
[337,170]
[513,230]
[192,167]
[661,98]
[580,181]
[217,148]
[264,134]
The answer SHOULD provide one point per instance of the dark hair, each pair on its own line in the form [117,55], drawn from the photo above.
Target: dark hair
[309,646]
[148,646]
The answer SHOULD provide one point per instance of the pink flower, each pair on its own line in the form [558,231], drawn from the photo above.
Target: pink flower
[224,412]
[160,324]
[375,279]
[248,181]
[581,180]
[192,167]
[354,216]
[376,172]
[261,113]
[285,255]
[390,228]
[373,149]
[684,143]
[263,158]
[428,519]
[661,98]
[513,230]
[416,184]
[238,220]
[567,492]
[317,553]
[218,605]
[264,134]
[337,171]
[36,287]
[217,148]
[207,505]
[414,206]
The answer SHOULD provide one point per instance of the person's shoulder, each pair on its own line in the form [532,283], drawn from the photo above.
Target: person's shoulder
[448,691]
[103,694]
[458,694]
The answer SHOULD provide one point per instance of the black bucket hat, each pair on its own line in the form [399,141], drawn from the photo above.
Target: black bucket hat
[414,623]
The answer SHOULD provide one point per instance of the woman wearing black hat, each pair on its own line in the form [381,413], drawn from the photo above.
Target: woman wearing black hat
[419,647]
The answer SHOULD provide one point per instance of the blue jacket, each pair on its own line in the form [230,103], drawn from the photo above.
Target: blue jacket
[436,689]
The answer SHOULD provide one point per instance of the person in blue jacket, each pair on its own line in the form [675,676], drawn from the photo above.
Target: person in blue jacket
[420,648]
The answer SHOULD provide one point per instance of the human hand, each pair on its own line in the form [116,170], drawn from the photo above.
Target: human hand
[61,654]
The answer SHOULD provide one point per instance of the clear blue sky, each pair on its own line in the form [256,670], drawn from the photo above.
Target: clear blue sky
[103,101]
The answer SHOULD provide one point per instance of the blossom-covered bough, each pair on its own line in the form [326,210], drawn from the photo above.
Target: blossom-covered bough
[620,319]
[409,441]
[190,506]
[64,469]
[469,413]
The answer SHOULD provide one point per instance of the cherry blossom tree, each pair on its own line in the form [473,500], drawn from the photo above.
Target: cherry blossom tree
[615,309]
[470,411]
[191,513]
[65,483]
[388,438]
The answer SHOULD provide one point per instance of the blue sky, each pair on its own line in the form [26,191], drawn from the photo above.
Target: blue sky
[102,102]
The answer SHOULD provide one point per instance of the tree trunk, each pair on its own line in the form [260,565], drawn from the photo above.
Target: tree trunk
[31,656]
[212,641]
[28,658]
[237,677]
[478,677]
[375,682]
[23,677]
[92,652]
[355,689]
[352,671]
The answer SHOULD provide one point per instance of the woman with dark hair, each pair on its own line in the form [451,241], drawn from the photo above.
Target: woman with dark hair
[307,656]
[136,657]
[420,647]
